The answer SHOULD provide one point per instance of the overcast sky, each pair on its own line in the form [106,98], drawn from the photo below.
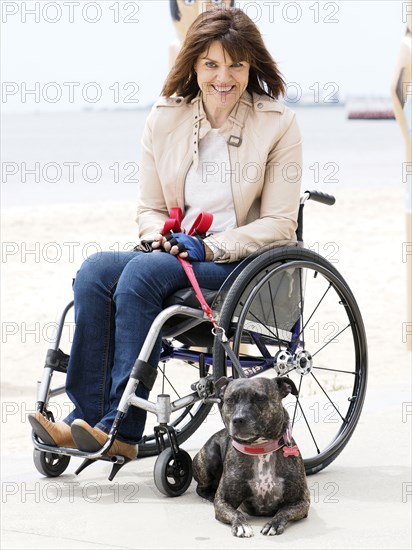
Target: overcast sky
[108,54]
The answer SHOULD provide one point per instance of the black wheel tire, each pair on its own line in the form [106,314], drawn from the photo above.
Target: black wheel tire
[50,464]
[173,477]
[307,260]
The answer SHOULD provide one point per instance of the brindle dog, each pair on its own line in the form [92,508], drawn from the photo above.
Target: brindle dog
[252,465]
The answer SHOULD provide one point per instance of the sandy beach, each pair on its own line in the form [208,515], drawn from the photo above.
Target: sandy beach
[44,243]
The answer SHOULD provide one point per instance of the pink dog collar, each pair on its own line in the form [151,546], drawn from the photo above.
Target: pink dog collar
[270,446]
[265,448]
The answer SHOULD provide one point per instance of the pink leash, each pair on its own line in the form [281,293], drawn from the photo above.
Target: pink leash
[200,226]
[187,266]
[174,224]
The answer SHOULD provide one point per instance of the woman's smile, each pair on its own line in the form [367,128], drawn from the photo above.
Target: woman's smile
[223,90]
[221,80]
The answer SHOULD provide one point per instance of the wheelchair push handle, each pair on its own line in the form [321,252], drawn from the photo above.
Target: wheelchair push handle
[318,196]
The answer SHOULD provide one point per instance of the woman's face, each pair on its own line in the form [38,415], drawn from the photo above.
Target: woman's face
[220,80]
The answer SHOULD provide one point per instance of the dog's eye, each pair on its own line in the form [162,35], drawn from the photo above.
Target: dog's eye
[229,400]
[260,398]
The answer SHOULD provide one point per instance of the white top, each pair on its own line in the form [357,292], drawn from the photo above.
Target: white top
[209,187]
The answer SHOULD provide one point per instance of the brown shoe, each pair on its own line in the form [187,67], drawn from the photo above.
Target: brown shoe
[52,433]
[92,439]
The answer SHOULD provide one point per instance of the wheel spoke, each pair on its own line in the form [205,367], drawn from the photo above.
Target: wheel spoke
[308,426]
[169,382]
[268,328]
[302,308]
[353,373]
[313,312]
[272,301]
[296,403]
[175,378]
[330,341]
[328,398]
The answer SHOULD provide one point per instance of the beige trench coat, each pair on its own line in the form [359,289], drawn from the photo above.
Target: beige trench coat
[264,144]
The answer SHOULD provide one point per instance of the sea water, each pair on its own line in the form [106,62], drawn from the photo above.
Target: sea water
[54,158]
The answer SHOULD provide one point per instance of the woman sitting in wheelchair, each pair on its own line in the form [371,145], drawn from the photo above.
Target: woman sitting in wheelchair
[217,141]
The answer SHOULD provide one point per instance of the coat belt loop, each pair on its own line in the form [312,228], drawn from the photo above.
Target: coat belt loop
[242,111]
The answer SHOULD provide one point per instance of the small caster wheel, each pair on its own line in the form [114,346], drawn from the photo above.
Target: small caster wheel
[50,464]
[173,477]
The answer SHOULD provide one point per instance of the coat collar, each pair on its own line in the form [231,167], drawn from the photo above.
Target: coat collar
[231,129]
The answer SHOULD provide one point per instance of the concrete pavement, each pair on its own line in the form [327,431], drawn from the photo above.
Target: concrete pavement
[362,500]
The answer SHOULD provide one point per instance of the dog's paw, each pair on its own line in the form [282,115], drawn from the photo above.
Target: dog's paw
[272,529]
[242,530]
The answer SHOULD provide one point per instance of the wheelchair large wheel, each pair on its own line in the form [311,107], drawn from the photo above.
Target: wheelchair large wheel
[290,313]
[175,378]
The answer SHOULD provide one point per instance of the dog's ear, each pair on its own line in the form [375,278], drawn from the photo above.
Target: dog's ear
[221,385]
[285,386]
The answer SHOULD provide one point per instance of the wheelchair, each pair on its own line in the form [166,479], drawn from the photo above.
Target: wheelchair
[284,311]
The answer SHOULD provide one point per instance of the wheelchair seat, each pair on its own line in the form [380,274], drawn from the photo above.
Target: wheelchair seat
[199,335]
[187,297]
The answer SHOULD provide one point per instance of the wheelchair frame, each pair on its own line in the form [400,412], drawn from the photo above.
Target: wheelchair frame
[265,272]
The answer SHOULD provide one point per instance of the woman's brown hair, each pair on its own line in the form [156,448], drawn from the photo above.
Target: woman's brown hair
[240,38]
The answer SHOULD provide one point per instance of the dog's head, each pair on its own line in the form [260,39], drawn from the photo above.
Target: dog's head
[252,409]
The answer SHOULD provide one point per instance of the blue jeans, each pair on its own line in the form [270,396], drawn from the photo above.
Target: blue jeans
[117,295]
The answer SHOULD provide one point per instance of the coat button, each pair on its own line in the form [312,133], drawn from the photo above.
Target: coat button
[259,105]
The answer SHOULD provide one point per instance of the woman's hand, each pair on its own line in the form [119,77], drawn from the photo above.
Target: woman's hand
[184,246]
[157,244]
